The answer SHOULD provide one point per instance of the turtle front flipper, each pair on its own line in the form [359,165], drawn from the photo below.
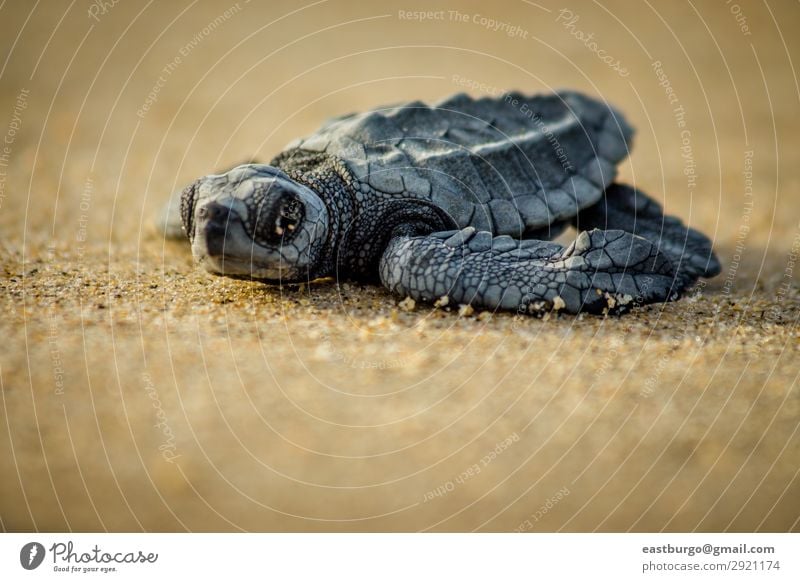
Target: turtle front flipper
[602,270]
[629,209]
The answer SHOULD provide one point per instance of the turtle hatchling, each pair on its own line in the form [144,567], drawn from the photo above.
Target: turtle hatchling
[456,202]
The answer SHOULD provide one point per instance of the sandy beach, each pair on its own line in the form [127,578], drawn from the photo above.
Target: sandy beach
[141,394]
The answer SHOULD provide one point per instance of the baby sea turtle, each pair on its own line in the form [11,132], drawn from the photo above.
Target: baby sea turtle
[455,202]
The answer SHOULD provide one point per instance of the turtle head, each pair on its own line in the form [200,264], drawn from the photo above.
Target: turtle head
[255,222]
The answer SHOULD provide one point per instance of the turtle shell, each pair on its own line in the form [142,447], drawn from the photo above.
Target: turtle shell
[511,164]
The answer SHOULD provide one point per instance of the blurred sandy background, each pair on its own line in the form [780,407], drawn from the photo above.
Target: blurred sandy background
[141,394]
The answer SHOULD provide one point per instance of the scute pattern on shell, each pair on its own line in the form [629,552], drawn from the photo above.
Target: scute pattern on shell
[511,164]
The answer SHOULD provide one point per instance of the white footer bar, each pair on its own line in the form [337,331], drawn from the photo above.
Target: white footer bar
[402,557]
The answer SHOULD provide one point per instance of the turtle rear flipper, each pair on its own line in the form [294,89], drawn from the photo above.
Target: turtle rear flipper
[625,208]
[602,270]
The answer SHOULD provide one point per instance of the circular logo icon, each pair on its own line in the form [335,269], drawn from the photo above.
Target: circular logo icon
[31,555]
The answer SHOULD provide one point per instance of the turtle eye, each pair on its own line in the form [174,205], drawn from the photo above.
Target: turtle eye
[290,213]
[278,218]
[188,201]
